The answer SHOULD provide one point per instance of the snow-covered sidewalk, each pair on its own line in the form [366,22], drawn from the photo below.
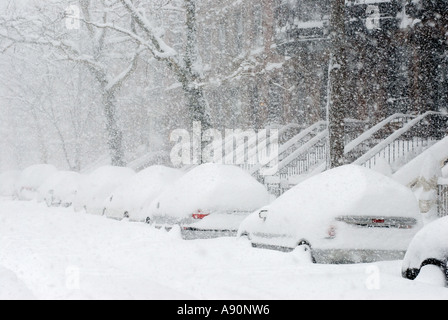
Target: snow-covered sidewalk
[54,253]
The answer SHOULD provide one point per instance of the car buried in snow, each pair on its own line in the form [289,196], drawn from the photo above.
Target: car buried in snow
[209,201]
[31,179]
[128,200]
[350,214]
[96,187]
[428,250]
[49,191]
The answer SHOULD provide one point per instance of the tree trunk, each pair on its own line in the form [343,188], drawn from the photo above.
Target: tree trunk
[115,135]
[196,100]
[338,85]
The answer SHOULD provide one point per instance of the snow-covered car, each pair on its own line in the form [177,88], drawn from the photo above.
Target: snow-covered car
[428,248]
[208,201]
[8,181]
[48,190]
[348,214]
[66,190]
[31,179]
[128,200]
[96,187]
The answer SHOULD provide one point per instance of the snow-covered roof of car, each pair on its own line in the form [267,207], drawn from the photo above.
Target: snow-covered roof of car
[213,188]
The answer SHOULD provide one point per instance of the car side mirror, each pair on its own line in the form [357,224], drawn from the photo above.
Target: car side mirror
[263,214]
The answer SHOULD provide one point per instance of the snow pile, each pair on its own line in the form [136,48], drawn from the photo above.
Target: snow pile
[31,179]
[141,189]
[210,188]
[11,288]
[8,182]
[308,209]
[96,187]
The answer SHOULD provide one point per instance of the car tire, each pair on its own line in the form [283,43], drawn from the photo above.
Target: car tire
[246,234]
[306,246]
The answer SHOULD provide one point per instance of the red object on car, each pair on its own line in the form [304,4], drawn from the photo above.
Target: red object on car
[199,215]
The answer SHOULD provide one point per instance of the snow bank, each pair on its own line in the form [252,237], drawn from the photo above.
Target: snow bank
[31,179]
[210,188]
[8,181]
[11,288]
[141,189]
[96,187]
[120,261]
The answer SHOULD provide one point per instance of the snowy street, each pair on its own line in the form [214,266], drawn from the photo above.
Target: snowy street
[54,253]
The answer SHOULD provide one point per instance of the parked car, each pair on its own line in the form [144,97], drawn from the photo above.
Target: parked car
[428,248]
[345,215]
[208,201]
[8,181]
[47,192]
[96,187]
[31,179]
[128,200]
[66,190]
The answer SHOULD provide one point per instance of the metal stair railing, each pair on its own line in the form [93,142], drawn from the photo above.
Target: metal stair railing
[357,147]
[293,144]
[403,144]
[236,154]
[300,162]
[316,161]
